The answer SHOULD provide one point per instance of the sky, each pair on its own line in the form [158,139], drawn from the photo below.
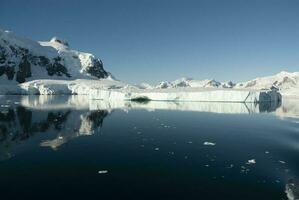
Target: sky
[155,40]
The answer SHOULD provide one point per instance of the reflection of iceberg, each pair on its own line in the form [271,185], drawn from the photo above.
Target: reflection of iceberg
[289,108]
[292,189]
[54,102]
[215,107]
[81,102]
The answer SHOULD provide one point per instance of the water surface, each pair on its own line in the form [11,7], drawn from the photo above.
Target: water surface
[70,147]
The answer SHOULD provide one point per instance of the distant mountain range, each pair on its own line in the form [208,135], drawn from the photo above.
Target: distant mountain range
[286,82]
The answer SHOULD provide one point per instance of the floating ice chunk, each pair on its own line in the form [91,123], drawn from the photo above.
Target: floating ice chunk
[251,162]
[157,149]
[5,106]
[230,166]
[282,162]
[209,143]
[102,171]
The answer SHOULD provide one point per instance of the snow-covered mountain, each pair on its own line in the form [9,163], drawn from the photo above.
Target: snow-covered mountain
[52,67]
[189,82]
[286,82]
[23,60]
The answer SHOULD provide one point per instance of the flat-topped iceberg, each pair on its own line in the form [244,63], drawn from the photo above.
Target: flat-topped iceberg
[187,94]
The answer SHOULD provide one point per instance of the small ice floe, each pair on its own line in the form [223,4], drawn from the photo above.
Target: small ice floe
[60,137]
[282,162]
[230,166]
[209,143]
[190,142]
[102,171]
[244,169]
[5,106]
[207,165]
[157,149]
[16,102]
[266,152]
[251,162]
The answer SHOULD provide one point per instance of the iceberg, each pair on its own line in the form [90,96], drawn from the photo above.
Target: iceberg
[187,94]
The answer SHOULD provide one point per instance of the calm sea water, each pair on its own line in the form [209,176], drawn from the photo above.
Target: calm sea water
[70,147]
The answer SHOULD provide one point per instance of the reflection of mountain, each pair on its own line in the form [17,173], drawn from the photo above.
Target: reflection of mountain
[289,108]
[19,123]
[89,122]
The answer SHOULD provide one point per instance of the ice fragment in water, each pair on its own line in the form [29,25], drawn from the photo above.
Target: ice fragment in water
[103,171]
[209,143]
[250,162]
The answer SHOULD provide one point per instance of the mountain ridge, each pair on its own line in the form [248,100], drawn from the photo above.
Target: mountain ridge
[286,82]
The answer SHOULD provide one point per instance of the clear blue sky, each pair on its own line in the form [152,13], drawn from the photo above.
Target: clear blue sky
[152,40]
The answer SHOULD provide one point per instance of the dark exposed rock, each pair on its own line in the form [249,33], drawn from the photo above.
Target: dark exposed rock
[10,72]
[55,39]
[97,69]
[20,77]
[25,67]
[2,70]
[2,55]
[57,68]
[43,61]
[24,70]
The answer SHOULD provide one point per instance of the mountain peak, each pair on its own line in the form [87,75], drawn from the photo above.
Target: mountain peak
[60,41]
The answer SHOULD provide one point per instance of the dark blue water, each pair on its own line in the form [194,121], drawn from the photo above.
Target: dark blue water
[63,147]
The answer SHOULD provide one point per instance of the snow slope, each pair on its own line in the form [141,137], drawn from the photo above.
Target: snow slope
[287,83]
[59,87]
